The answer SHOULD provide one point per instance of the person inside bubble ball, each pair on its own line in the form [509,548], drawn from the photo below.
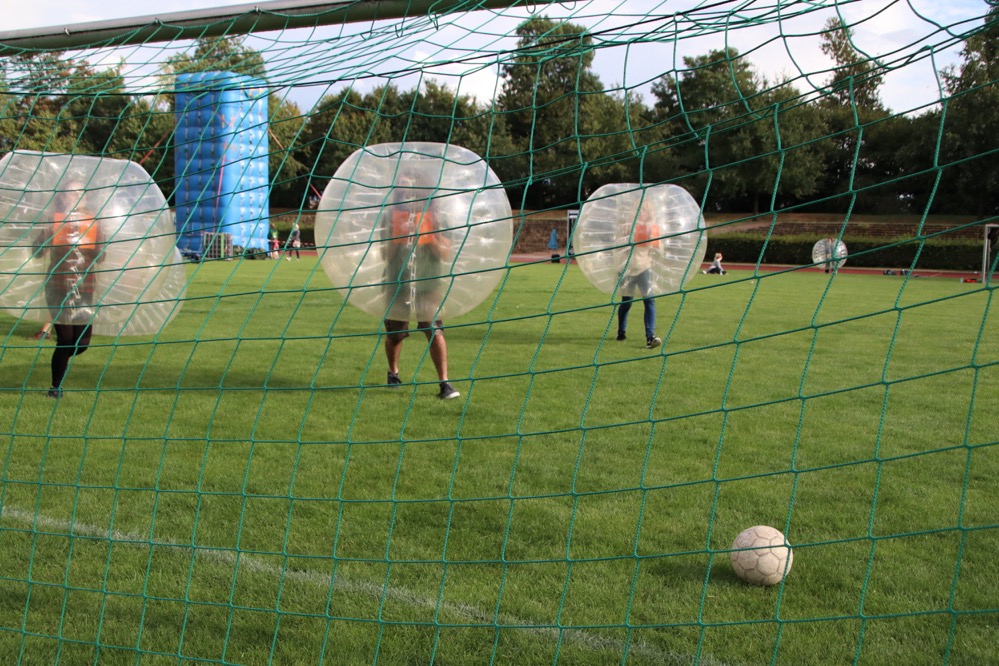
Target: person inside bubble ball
[417,253]
[829,251]
[643,239]
[72,242]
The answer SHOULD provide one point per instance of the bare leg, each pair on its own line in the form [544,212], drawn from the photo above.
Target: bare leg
[438,352]
[393,350]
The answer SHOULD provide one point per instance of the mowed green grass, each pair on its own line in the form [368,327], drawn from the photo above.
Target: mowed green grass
[243,490]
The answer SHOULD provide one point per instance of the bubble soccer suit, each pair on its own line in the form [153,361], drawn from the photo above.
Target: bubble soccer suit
[830,253]
[87,241]
[414,232]
[640,242]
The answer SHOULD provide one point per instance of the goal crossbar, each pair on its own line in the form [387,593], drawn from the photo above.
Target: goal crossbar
[232,19]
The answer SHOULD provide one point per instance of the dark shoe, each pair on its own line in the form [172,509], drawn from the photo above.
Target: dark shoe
[55,393]
[393,380]
[653,342]
[447,392]
[620,336]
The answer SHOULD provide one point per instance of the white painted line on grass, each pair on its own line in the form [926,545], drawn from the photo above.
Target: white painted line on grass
[472,614]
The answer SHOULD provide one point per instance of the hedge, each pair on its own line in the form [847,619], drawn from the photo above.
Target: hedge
[939,254]
[934,253]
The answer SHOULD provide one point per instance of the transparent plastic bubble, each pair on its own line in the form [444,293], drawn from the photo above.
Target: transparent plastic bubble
[639,241]
[829,252]
[87,240]
[415,231]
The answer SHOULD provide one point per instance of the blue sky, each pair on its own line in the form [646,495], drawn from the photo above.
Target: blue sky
[922,33]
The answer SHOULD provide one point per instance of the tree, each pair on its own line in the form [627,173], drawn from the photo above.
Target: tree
[436,114]
[224,54]
[34,82]
[742,139]
[338,125]
[855,80]
[549,91]
[618,141]
[971,116]
[704,108]
[855,117]
[783,162]
[288,187]
[96,113]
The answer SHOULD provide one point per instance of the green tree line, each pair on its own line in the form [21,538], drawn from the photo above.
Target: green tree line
[554,133]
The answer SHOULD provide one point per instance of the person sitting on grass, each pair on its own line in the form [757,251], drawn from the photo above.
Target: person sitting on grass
[716,266]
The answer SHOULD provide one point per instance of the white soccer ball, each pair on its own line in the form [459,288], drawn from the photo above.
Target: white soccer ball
[761,555]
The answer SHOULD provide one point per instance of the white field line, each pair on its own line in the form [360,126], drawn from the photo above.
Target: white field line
[247,562]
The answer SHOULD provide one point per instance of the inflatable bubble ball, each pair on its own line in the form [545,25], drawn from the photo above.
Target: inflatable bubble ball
[414,231]
[639,241]
[87,240]
[829,253]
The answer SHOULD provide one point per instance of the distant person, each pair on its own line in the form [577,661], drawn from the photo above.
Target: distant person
[275,245]
[831,253]
[72,242]
[553,246]
[637,278]
[294,243]
[417,255]
[716,266]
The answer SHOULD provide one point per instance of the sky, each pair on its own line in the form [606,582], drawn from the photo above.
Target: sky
[921,34]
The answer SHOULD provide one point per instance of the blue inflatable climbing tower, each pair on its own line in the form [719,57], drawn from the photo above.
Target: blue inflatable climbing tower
[221,161]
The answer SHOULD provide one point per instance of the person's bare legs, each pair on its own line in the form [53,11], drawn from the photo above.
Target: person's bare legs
[393,350]
[438,352]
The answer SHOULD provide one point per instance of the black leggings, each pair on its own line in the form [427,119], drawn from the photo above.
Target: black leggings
[70,341]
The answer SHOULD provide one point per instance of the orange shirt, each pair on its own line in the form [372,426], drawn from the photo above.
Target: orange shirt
[405,224]
[80,231]
[647,233]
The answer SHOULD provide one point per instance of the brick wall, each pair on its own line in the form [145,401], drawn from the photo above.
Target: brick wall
[532,231]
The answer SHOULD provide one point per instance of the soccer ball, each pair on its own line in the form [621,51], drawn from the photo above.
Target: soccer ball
[761,555]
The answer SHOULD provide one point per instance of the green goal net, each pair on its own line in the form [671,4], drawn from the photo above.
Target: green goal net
[245,468]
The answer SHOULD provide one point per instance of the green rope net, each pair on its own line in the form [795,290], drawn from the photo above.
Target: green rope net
[240,485]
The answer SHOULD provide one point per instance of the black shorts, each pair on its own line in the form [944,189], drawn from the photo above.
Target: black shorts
[399,330]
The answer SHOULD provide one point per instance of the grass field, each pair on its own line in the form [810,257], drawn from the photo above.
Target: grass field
[243,490]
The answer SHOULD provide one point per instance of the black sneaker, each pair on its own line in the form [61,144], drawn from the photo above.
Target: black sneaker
[393,380]
[620,336]
[55,393]
[653,342]
[447,392]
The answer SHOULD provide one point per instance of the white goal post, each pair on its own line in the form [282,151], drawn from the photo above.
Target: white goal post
[229,20]
[990,247]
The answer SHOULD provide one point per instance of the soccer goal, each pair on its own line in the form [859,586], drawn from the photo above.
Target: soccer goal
[990,243]
[288,374]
